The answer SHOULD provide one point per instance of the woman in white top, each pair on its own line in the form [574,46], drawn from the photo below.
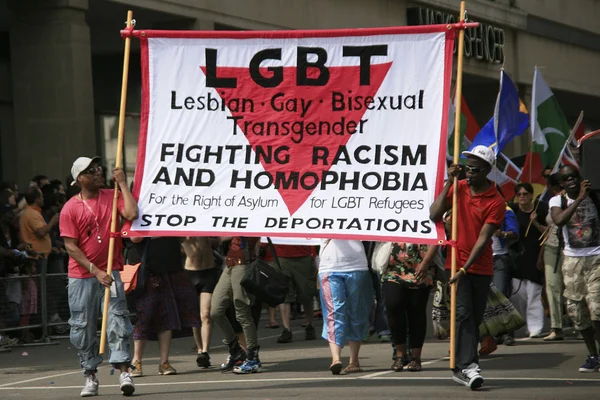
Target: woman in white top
[346,299]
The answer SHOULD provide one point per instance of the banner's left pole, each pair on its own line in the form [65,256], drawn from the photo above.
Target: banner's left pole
[118,164]
[458,99]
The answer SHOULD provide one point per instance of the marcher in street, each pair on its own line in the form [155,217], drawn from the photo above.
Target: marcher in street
[578,214]
[203,274]
[168,307]
[242,251]
[346,299]
[85,226]
[481,212]
[553,260]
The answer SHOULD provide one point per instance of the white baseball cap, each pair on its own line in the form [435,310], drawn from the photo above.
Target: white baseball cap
[483,152]
[80,165]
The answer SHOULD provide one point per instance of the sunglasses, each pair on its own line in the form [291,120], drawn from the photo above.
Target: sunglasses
[92,170]
[566,177]
[523,194]
[473,170]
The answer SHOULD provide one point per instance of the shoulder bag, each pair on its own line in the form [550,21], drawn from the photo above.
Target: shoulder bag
[264,282]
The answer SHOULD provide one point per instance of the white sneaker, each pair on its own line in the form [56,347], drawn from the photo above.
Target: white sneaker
[91,387]
[469,377]
[127,387]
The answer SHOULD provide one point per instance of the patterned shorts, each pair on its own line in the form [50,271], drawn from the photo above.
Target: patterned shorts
[582,289]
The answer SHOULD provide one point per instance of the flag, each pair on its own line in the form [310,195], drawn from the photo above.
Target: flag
[468,127]
[510,116]
[506,175]
[509,121]
[549,129]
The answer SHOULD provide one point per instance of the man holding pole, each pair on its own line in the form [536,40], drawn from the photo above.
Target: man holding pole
[480,208]
[85,226]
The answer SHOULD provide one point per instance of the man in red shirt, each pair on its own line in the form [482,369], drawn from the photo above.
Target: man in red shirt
[85,227]
[480,212]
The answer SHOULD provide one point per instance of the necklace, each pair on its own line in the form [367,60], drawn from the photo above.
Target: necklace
[98,237]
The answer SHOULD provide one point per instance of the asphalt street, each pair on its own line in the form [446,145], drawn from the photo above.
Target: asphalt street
[532,369]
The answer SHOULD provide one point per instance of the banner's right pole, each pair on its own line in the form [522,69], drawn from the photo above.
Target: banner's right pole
[458,99]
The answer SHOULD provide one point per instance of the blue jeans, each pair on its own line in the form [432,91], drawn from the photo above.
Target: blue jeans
[86,300]
[502,275]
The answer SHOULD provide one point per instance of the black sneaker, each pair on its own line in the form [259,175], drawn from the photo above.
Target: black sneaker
[470,377]
[286,336]
[237,356]
[310,333]
[203,360]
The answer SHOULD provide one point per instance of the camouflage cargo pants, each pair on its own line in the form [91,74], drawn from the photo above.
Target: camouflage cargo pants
[581,276]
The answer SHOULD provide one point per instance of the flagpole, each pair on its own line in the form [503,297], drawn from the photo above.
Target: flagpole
[118,161]
[458,99]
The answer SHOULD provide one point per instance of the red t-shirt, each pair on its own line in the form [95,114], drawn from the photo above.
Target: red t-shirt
[288,251]
[474,211]
[79,222]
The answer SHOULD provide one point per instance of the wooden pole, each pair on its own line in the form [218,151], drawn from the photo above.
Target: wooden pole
[118,162]
[458,99]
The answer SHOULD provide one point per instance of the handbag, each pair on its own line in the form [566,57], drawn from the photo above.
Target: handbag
[134,276]
[265,282]
[500,316]
[381,256]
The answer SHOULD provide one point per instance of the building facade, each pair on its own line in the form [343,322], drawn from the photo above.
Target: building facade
[61,62]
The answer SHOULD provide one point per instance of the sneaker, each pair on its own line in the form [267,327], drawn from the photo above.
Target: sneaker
[251,365]
[286,336]
[469,377]
[535,335]
[203,360]
[91,387]
[509,341]
[236,357]
[310,333]
[136,371]
[385,338]
[555,335]
[126,381]
[166,369]
[591,364]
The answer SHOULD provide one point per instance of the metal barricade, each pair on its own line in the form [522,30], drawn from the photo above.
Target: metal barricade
[25,302]
[50,320]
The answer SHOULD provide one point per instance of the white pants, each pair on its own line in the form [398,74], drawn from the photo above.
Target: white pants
[527,298]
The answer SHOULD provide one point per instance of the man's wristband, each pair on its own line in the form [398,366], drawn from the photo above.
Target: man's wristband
[91,268]
[464,271]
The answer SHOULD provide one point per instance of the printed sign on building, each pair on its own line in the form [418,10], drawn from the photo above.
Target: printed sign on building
[311,134]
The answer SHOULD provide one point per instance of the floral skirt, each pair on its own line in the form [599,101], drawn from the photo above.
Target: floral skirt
[170,303]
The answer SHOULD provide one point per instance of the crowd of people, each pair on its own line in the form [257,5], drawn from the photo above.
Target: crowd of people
[531,252]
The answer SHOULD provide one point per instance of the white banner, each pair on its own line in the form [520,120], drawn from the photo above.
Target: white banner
[308,134]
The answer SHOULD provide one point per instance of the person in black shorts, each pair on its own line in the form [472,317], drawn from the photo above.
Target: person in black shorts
[202,271]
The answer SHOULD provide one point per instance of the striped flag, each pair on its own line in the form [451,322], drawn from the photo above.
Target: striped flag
[468,128]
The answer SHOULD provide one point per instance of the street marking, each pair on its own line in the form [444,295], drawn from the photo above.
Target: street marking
[81,372]
[377,374]
[6,385]
[308,379]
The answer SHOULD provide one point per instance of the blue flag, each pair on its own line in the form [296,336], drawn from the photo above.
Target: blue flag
[510,118]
